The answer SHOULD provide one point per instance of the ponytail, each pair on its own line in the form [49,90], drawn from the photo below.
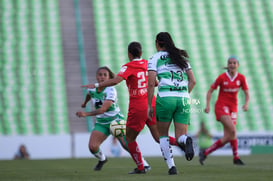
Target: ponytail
[177,56]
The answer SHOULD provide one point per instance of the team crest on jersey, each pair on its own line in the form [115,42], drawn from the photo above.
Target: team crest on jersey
[226,109]
[238,82]
[225,83]
[123,68]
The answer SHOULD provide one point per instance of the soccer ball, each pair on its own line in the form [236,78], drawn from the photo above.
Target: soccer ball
[118,128]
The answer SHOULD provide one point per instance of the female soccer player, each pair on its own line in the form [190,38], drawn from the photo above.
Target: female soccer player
[176,81]
[106,110]
[226,107]
[135,74]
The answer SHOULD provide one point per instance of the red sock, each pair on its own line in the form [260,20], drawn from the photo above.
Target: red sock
[172,141]
[136,154]
[234,146]
[215,146]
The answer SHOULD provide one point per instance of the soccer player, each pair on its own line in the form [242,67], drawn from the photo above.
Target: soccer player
[106,110]
[226,107]
[135,74]
[204,137]
[176,81]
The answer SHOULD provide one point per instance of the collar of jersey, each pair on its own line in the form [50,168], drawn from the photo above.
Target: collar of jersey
[231,78]
[137,59]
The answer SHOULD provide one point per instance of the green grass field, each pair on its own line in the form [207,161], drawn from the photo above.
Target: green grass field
[257,168]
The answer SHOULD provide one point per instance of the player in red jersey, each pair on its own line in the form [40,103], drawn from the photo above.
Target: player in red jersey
[226,107]
[136,76]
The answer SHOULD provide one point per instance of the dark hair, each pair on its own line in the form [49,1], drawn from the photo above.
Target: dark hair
[177,56]
[135,49]
[111,74]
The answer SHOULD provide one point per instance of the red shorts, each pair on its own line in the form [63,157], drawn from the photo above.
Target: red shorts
[137,116]
[222,109]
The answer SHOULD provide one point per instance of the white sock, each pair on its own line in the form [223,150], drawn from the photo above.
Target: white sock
[182,139]
[166,150]
[145,163]
[100,155]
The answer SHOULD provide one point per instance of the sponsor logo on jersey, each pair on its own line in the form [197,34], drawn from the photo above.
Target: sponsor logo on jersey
[231,90]
[123,68]
[164,57]
[138,92]
[178,88]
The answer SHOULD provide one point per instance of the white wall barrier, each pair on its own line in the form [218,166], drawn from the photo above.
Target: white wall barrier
[76,145]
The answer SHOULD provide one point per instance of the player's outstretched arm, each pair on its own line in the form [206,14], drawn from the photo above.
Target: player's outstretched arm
[88,86]
[111,82]
[105,106]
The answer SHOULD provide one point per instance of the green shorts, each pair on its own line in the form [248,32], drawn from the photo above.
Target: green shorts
[103,128]
[173,108]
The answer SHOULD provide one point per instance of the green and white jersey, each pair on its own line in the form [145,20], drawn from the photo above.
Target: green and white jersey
[173,81]
[98,98]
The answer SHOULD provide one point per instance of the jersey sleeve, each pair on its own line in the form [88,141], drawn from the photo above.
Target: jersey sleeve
[216,83]
[244,83]
[111,94]
[124,72]
[152,63]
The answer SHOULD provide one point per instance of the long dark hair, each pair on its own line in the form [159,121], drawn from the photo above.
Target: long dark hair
[111,74]
[177,56]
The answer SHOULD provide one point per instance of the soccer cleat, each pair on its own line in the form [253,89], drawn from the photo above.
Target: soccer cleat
[238,162]
[147,168]
[189,151]
[137,171]
[187,148]
[202,157]
[99,165]
[172,171]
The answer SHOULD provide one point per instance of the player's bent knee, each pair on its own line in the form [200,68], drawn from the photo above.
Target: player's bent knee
[93,148]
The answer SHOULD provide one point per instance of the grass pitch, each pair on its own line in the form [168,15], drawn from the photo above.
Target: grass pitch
[258,167]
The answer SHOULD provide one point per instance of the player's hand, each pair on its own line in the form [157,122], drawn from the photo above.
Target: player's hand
[245,107]
[207,109]
[150,112]
[156,83]
[83,105]
[89,86]
[80,114]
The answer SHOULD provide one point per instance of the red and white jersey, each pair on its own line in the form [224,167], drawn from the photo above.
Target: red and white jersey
[136,76]
[229,87]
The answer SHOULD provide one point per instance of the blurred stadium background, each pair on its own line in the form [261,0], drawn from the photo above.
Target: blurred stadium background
[51,47]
